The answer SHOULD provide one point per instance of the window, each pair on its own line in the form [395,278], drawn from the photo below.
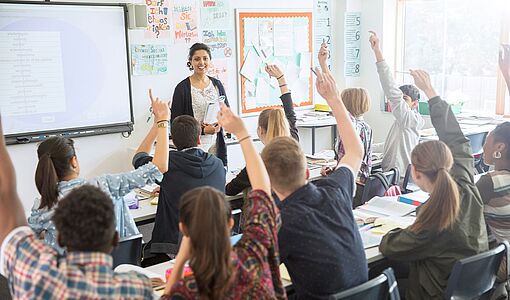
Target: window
[457,42]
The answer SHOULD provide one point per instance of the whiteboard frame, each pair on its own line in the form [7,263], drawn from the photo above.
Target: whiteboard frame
[238,11]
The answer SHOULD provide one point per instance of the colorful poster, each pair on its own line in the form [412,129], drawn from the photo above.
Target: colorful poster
[220,42]
[218,69]
[185,18]
[158,19]
[215,14]
[149,59]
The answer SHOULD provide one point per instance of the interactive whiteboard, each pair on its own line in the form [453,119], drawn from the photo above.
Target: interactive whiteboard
[64,70]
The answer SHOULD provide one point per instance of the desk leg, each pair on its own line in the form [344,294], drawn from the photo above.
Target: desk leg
[313,140]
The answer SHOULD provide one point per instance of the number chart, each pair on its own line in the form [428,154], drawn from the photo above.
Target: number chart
[352,44]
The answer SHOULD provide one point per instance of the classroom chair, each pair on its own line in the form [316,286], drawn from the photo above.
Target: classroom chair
[129,251]
[477,140]
[474,276]
[5,294]
[382,287]
[378,183]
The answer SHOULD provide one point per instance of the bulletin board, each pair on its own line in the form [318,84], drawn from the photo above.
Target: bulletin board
[276,37]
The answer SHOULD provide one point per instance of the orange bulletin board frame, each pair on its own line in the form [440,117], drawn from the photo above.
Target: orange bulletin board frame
[242,14]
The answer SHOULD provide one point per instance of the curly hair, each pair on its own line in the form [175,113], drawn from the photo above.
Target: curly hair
[502,135]
[85,219]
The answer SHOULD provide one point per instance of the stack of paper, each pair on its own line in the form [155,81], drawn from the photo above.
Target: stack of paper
[387,206]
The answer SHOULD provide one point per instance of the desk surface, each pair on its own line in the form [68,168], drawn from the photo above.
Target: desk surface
[467,129]
[372,254]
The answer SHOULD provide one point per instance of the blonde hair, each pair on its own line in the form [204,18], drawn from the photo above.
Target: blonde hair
[274,122]
[356,101]
[434,160]
[285,163]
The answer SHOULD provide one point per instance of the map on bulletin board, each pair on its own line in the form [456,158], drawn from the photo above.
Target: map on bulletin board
[283,38]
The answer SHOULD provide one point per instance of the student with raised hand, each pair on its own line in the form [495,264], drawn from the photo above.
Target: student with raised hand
[404,133]
[494,187]
[273,122]
[188,167]
[58,172]
[319,240]
[86,224]
[450,225]
[250,268]
[357,102]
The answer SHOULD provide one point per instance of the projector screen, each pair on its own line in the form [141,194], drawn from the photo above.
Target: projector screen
[63,70]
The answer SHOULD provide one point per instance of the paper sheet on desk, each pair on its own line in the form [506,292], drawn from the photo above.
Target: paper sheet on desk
[124,268]
[387,206]
[389,224]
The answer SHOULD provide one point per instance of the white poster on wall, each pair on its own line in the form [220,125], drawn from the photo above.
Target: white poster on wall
[352,44]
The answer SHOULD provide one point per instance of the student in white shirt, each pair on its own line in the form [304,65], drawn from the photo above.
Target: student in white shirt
[404,133]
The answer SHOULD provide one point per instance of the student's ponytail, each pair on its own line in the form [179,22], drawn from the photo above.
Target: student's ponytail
[274,122]
[55,156]
[434,160]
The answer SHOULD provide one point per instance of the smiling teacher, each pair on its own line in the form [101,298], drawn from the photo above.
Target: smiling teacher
[192,95]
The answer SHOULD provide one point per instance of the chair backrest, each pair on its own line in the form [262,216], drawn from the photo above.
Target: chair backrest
[407,179]
[477,140]
[129,251]
[378,183]
[471,277]
[382,287]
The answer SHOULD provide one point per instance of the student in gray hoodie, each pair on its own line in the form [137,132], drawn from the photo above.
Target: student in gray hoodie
[404,133]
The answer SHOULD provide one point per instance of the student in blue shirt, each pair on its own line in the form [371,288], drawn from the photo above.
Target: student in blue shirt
[319,240]
[58,172]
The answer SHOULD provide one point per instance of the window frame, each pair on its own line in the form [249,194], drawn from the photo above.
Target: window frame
[500,109]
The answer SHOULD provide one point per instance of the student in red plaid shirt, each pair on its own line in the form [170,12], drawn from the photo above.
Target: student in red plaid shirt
[85,221]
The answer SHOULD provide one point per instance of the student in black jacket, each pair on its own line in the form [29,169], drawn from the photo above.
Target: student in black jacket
[188,167]
[192,94]
[273,122]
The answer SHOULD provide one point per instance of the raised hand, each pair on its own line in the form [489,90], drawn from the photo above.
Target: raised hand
[274,71]
[231,122]
[504,61]
[422,81]
[375,44]
[374,40]
[160,109]
[326,87]
[323,56]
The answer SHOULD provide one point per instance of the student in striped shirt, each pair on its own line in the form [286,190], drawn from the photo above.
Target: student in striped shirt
[494,186]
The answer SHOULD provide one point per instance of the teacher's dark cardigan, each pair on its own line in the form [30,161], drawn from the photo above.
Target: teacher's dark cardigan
[182,105]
